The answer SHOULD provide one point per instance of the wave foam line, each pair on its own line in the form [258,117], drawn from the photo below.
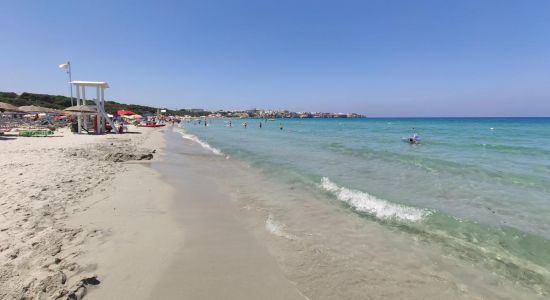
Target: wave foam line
[277,229]
[205,145]
[366,203]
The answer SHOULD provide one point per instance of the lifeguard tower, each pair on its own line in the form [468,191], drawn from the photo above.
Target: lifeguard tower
[101,116]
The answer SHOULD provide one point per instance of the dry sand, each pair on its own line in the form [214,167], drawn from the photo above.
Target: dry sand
[87,216]
[76,219]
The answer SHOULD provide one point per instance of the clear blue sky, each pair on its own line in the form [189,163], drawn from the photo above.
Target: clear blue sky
[381,58]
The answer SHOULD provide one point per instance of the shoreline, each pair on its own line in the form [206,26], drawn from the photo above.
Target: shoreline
[220,257]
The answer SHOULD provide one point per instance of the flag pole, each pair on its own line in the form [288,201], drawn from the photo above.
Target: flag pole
[70,80]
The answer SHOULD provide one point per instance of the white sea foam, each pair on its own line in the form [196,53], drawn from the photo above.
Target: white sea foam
[366,203]
[277,229]
[205,145]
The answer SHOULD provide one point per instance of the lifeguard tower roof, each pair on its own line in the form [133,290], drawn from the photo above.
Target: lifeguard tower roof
[102,84]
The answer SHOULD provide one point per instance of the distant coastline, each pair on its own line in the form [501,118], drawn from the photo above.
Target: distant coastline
[281,114]
[62,102]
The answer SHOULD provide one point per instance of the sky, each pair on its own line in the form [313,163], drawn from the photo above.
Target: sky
[379,58]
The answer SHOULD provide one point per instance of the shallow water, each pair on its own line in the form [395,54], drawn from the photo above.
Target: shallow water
[477,188]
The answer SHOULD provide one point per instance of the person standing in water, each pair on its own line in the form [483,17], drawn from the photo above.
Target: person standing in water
[205,123]
[260,124]
[281,126]
[245,124]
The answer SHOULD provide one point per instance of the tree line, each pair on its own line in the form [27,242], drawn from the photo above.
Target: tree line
[62,102]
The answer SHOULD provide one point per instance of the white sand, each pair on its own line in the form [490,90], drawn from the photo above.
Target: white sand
[73,214]
[87,216]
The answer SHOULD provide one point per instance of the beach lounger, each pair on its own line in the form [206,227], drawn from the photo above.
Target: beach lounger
[30,133]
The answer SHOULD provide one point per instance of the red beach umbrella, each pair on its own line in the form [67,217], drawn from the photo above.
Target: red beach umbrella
[123,112]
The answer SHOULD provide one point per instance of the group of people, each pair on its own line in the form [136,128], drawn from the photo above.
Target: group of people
[245,125]
[230,124]
[413,139]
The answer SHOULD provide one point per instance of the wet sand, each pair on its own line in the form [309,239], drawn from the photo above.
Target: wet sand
[220,258]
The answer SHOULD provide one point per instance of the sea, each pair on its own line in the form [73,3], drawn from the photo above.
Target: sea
[479,188]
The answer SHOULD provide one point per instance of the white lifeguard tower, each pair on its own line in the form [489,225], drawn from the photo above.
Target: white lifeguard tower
[102,117]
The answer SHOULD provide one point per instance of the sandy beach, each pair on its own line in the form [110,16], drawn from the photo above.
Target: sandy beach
[75,215]
[152,215]
[87,216]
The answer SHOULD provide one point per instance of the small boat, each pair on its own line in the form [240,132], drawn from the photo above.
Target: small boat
[150,124]
[414,139]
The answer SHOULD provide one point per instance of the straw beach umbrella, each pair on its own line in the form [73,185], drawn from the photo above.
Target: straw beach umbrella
[82,109]
[36,109]
[8,107]
[58,112]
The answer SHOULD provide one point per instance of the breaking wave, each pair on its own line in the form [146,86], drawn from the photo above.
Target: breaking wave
[366,203]
[205,145]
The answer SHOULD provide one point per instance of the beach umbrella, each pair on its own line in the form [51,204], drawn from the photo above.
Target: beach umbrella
[8,107]
[36,109]
[123,112]
[82,109]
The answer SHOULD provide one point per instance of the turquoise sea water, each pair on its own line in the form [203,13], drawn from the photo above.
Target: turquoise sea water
[478,187]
